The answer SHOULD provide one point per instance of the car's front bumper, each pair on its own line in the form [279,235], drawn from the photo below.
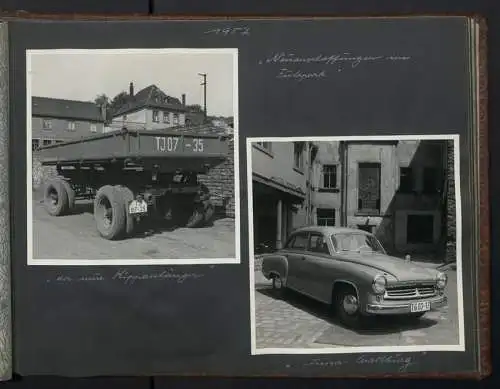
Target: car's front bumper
[403,307]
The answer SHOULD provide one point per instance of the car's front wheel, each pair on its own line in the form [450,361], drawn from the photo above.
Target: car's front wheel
[347,307]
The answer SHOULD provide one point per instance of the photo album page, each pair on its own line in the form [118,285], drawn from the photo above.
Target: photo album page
[251,197]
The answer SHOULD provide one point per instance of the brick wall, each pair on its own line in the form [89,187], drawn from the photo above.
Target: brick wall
[451,227]
[220,182]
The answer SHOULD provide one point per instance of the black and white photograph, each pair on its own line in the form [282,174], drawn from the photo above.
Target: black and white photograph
[355,244]
[131,156]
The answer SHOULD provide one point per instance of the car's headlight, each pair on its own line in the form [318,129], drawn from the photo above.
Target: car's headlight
[441,280]
[379,284]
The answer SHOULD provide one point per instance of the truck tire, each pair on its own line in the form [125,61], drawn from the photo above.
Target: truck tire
[55,197]
[109,212]
[127,196]
[71,195]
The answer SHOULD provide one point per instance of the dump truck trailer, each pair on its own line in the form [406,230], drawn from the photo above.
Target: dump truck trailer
[134,176]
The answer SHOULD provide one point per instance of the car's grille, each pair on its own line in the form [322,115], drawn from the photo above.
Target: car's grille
[410,292]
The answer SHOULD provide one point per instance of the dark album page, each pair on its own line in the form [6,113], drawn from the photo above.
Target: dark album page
[253,197]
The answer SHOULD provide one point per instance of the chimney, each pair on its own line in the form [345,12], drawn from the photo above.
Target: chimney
[131,89]
[184,99]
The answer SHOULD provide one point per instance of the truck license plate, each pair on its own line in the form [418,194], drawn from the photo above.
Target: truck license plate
[421,306]
[136,207]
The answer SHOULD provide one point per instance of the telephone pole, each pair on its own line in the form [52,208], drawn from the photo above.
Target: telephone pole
[204,84]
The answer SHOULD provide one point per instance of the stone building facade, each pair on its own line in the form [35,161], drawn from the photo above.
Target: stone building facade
[394,189]
[281,200]
[58,120]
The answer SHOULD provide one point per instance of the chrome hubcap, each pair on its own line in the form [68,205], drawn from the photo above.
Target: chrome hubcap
[350,304]
[277,283]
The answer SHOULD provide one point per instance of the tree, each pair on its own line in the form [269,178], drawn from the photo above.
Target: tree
[102,99]
[119,100]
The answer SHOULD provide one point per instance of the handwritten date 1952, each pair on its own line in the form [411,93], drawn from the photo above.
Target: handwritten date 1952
[225,31]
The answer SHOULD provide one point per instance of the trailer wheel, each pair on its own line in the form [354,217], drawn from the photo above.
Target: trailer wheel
[127,196]
[71,195]
[109,212]
[55,197]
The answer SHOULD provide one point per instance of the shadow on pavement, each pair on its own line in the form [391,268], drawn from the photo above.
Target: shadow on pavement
[374,326]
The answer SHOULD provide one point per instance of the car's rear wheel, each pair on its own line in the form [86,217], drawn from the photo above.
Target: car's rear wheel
[278,284]
[347,306]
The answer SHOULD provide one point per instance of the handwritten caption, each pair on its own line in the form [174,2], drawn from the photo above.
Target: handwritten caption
[128,277]
[402,362]
[288,63]
[226,31]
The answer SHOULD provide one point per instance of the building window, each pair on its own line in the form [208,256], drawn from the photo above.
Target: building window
[47,142]
[47,124]
[176,119]
[71,126]
[369,188]
[93,128]
[406,179]
[265,145]
[325,217]
[156,116]
[166,117]
[329,176]
[420,229]
[35,144]
[431,184]
[298,155]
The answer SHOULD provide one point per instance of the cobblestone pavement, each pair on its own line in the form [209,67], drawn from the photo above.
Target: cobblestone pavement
[299,322]
[76,237]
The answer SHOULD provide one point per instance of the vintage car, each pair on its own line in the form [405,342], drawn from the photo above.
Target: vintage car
[350,270]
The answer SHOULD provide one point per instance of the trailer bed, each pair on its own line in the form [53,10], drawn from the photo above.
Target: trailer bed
[181,149]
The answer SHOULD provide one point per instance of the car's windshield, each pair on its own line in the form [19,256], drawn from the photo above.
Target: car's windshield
[357,242]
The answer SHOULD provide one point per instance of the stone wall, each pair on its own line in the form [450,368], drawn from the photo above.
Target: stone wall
[41,173]
[451,217]
[220,183]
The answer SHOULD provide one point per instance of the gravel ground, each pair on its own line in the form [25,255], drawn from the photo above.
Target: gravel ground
[75,237]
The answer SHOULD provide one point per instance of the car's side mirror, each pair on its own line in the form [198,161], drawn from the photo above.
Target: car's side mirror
[407,257]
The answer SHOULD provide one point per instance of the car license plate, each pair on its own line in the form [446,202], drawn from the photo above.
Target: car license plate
[136,207]
[421,306]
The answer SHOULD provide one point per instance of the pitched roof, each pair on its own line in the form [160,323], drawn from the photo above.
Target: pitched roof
[150,97]
[66,109]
